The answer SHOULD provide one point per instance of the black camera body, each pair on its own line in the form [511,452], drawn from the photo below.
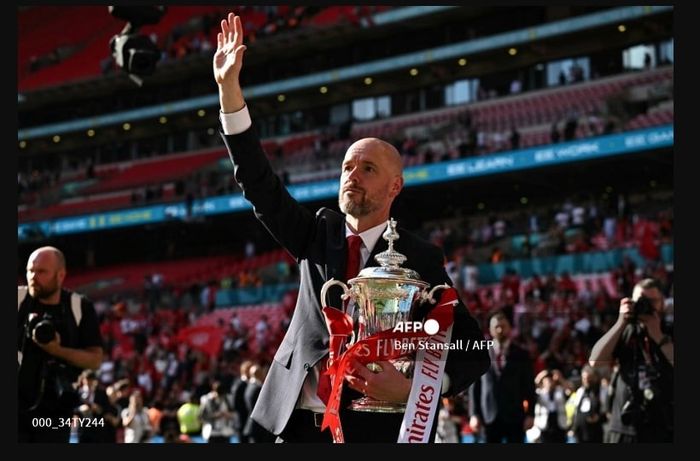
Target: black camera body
[55,389]
[43,328]
[135,53]
[643,306]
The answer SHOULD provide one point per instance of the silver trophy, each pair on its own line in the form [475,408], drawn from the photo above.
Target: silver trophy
[384,296]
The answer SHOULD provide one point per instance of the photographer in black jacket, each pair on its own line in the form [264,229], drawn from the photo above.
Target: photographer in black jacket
[642,385]
[58,336]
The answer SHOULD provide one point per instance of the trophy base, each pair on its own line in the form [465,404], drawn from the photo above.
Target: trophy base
[371,405]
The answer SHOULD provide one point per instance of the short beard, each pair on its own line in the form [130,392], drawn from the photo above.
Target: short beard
[41,293]
[356,210]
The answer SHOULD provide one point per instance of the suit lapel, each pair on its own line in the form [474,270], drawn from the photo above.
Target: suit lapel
[336,253]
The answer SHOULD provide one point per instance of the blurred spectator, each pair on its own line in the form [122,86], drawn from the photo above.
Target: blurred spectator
[562,77]
[570,125]
[514,138]
[240,407]
[576,73]
[502,399]
[95,406]
[448,427]
[254,432]
[262,333]
[510,285]
[169,427]
[588,408]
[554,134]
[216,413]
[550,409]
[188,415]
[137,425]
[470,275]
[496,255]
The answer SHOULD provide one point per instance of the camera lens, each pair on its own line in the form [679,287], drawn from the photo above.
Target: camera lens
[643,306]
[44,331]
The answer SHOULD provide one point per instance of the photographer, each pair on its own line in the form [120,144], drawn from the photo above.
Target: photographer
[642,386]
[58,337]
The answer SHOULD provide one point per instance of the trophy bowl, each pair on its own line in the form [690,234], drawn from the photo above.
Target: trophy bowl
[384,296]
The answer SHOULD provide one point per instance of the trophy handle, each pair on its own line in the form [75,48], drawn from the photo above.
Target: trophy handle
[429,295]
[330,283]
[346,294]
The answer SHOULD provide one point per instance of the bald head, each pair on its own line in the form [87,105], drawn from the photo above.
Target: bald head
[50,254]
[370,179]
[46,270]
[382,151]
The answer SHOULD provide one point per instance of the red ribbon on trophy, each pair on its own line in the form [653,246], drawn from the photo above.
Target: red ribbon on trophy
[385,345]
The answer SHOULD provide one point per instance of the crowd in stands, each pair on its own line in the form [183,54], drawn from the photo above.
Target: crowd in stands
[443,135]
[575,225]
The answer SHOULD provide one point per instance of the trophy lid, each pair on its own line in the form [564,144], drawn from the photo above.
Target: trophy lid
[390,263]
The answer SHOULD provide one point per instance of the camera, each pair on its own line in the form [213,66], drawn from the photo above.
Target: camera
[135,53]
[43,328]
[643,306]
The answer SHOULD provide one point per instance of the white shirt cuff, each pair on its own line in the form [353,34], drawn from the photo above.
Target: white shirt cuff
[236,122]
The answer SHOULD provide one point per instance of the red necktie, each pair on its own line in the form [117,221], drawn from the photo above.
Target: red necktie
[352,268]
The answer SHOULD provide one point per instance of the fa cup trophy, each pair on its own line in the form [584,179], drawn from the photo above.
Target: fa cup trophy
[384,296]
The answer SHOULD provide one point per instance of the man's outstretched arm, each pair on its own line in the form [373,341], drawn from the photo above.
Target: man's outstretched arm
[291,224]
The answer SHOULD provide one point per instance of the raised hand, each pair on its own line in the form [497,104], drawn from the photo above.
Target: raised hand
[626,306]
[228,61]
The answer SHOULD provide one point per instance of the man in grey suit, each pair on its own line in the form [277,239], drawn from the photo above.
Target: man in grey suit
[289,405]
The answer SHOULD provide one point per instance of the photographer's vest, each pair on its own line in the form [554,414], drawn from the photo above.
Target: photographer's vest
[75,304]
